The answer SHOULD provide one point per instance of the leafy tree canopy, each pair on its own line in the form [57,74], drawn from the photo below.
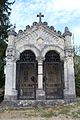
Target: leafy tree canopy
[5,12]
[77,69]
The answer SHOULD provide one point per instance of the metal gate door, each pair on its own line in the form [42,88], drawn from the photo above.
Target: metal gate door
[27,83]
[26,75]
[53,85]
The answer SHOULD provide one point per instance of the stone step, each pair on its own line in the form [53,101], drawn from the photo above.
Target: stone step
[32,103]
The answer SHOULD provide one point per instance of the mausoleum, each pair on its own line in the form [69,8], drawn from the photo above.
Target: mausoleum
[39,64]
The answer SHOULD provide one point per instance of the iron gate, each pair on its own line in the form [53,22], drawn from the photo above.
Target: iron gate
[26,76]
[53,75]
[53,83]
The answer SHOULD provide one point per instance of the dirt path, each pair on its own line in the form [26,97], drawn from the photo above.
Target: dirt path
[40,118]
[37,114]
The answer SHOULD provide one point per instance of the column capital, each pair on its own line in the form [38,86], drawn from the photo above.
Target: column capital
[12,55]
[40,59]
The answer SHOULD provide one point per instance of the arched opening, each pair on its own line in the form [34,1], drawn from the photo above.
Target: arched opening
[53,75]
[26,75]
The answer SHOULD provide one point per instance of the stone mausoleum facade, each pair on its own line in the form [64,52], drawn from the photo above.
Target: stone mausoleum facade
[39,64]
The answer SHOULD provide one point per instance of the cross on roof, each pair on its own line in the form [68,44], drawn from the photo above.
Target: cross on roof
[40,16]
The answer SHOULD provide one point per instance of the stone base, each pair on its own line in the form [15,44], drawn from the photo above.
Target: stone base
[11,101]
[10,97]
[70,98]
[40,94]
[34,103]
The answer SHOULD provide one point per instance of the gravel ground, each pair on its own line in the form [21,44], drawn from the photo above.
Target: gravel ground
[39,118]
[68,112]
[8,115]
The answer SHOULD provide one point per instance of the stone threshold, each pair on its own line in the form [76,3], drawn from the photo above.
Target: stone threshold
[35,103]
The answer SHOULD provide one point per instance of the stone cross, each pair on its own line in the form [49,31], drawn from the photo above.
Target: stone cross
[40,15]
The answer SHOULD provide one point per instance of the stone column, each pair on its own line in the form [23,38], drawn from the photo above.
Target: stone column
[14,81]
[69,91]
[10,76]
[10,81]
[71,76]
[40,74]
[65,78]
[40,92]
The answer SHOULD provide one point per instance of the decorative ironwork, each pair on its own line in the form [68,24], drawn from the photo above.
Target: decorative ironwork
[53,79]
[26,76]
[27,56]
[52,56]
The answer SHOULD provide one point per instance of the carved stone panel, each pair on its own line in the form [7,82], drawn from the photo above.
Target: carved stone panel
[39,37]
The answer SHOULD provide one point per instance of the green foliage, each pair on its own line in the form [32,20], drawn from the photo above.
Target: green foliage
[77,70]
[48,114]
[2,55]
[5,12]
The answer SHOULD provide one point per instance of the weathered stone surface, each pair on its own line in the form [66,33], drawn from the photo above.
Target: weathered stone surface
[37,103]
[40,39]
[40,94]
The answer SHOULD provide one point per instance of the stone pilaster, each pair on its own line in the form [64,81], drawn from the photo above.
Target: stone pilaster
[69,91]
[65,77]
[40,74]
[40,92]
[10,76]
[10,82]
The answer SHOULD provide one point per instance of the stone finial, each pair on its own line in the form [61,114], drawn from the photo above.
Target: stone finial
[12,31]
[27,27]
[67,32]
[34,23]
[45,23]
[20,32]
[52,28]
[59,32]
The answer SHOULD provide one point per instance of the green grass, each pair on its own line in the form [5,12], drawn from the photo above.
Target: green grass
[76,114]
[48,114]
[64,111]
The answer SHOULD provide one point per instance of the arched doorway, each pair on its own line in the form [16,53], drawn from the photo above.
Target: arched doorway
[53,75]
[26,75]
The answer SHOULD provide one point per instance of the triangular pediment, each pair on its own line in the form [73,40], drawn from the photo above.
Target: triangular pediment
[39,36]
[40,30]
